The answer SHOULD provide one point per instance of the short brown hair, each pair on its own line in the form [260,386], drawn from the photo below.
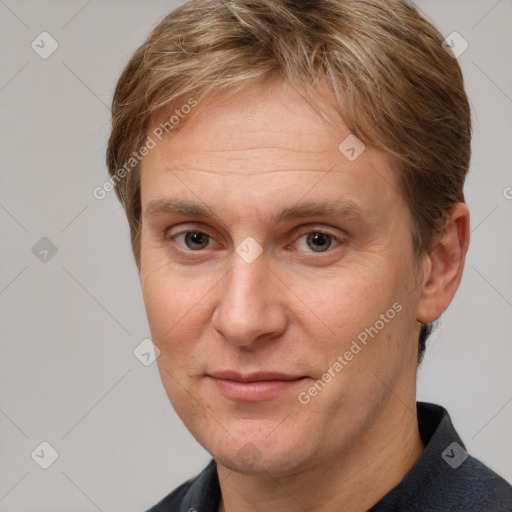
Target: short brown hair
[389,77]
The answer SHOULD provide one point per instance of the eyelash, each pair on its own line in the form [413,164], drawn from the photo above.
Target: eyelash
[335,239]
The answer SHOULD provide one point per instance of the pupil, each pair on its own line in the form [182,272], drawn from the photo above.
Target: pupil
[319,237]
[197,238]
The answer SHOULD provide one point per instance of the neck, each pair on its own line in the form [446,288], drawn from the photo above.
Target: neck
[352,481]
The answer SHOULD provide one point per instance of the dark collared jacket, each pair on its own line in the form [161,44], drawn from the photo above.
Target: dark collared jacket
[444,479]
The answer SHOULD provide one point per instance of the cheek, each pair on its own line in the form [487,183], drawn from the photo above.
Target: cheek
[369,324]
[169,299]
[179,310]
[173,307]
[352,299]
[368,317]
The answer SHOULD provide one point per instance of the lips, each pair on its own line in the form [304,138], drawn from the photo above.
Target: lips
[253,387]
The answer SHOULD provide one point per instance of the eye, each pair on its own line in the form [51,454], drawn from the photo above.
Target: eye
[310,241]
[317,241]
[194,240]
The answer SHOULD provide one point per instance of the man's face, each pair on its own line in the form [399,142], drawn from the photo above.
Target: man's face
[243,335]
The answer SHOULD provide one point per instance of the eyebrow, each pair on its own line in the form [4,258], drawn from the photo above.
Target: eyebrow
[340,207]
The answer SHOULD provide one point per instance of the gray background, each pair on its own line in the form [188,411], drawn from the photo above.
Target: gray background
[69,325]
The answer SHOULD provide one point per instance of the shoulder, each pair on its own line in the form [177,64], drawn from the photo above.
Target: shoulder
[455,478]
[472,487]
[199,493]
[172,502]
[446,477]
[477,487]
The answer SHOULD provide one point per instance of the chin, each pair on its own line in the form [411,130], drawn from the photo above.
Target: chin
[261,455]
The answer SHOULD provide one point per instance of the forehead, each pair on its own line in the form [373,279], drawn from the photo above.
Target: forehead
[267,145]
[272,116]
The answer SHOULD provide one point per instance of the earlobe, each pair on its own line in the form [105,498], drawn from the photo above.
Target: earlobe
[445,265]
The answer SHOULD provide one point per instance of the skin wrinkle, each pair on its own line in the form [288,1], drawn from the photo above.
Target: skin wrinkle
[244,150]
[271,171]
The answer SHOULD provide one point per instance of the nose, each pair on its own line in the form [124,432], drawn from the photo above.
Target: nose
[251,304]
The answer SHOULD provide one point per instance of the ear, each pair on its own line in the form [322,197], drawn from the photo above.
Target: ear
[444,265]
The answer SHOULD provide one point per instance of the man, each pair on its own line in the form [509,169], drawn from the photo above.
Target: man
[293,175]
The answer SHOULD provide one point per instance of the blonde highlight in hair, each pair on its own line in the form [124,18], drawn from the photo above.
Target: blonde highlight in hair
[378,64]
